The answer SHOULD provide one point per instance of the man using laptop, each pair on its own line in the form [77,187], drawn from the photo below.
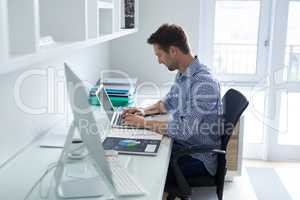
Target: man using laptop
[193,101]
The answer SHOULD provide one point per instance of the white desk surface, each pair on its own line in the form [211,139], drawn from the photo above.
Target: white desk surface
[19,175]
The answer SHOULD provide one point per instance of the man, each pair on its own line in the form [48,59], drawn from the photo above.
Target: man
[193,101]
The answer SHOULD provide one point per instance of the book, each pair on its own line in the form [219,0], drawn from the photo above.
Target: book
[126,94]
[123,99]
[119,81]
[132,145]
[119,90]
[128,14]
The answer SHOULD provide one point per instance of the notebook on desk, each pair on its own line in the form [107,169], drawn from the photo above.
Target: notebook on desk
[133,141]
[132,146]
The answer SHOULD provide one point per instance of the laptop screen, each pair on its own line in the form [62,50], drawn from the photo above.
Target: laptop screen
[106,103]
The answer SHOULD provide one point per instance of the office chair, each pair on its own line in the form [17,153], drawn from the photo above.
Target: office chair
[234,104]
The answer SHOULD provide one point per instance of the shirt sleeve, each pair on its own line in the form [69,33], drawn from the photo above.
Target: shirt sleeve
[167,101]
[171,99]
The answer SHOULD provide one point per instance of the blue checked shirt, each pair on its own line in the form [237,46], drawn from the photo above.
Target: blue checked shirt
[194,102]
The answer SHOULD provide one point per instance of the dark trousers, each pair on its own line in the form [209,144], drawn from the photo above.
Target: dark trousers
[188,165]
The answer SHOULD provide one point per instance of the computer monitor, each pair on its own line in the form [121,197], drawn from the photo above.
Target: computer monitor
[85,123]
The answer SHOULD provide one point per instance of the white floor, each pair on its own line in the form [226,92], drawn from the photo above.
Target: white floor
[241,187]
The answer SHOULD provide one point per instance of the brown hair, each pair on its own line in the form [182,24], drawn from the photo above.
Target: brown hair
[170,35]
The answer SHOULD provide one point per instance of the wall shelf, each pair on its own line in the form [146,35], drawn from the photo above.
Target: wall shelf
[59,51]
[24,24]
[105,5]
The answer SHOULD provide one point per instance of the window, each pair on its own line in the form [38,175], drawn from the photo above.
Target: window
[236,37]
[292,55]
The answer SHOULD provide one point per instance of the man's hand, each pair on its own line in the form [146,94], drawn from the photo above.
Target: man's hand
[135,111]
[134,120]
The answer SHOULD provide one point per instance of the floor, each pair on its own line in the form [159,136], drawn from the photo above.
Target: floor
[241,188]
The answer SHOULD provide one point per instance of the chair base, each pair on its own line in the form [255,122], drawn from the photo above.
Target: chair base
[172,197]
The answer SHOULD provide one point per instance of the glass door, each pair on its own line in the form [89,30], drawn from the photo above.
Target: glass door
[234,43]
[284,143]
[254,46]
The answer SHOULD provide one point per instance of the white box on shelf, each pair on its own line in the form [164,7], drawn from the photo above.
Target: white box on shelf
[46,41]
[22,27]
[106,21]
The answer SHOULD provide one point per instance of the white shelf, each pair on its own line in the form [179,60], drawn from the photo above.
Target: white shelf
[105,5]
[73,25]
[60,50]
[3,32]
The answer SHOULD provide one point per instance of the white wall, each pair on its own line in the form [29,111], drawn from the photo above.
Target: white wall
[133,55]
[17,126]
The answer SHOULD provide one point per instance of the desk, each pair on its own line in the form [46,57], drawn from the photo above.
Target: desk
[18,176]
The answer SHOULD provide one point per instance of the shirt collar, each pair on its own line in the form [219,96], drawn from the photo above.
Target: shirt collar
[192,68]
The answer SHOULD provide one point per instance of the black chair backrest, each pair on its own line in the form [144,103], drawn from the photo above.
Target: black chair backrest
[234,103]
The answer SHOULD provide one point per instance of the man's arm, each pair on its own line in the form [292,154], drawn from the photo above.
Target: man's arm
[156,108]
[139,121]
[156,126]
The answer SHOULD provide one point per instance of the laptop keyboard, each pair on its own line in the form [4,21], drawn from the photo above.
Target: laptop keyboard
[118,122]
[119,119]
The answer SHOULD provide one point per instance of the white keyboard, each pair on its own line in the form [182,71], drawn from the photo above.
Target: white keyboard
[123,183]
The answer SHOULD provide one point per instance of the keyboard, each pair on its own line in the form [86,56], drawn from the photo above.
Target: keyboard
[123,183]
[118,119]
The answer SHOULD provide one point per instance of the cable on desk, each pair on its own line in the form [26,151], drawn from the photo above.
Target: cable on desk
[49,169]
[39,180]
[50,185]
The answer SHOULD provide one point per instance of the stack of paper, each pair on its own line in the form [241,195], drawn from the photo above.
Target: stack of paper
[120,91]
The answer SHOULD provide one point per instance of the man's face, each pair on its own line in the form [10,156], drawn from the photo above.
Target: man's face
[165,58]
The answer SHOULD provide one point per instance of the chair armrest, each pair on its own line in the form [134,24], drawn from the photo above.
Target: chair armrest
[209,149]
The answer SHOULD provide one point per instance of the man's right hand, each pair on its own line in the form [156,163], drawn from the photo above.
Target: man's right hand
[135,111]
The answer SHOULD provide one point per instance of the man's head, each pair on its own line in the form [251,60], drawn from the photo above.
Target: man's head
[169,43]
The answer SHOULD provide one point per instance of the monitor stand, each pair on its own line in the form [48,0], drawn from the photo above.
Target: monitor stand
[90,187]
[82,188]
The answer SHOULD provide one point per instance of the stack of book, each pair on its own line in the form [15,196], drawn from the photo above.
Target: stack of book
[93,99]
[120,91]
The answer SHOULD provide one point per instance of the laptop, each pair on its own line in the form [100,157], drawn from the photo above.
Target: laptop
[114,115]
[145,143]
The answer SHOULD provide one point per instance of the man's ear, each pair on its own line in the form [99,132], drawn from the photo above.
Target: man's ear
[173,50]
